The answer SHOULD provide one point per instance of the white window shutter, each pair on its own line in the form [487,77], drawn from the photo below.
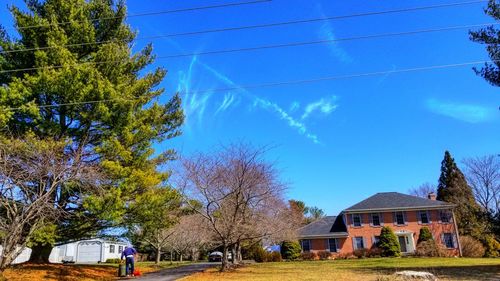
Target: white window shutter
[381,218]
[419,217]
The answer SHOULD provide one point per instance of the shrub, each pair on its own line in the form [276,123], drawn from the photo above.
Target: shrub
[113,261]
[492,247]
[375,252]
[471,247]
[275,257]
[309,256]
[260,255]
[431,249]
[388,243]
[324,255]
[361,253]
[290,250]
[424,235]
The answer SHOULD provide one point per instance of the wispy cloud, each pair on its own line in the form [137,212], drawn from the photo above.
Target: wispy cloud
[327,32]
[465,112]
[294,106]
[292,122]
[324,106]
[228,100]
[196,103]
[258,102]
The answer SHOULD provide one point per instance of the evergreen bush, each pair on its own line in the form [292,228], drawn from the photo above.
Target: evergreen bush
[388,243]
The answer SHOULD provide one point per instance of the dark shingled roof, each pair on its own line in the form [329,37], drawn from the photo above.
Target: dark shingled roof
[319,227]
[395,200]
[339,225]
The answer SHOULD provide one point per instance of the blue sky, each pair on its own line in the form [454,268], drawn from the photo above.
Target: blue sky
[339,141]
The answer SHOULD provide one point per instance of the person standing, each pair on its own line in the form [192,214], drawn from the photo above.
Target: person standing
[129,254]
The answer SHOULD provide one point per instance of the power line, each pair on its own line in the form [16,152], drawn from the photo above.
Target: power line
[234,4]
[237,28]
[285,45]
[347,76]
[289,82]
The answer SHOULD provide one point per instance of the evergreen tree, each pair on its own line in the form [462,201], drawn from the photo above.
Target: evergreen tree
[71,74]
[290,250]
[389,244]
[424,235]
[453,188]
[490,36]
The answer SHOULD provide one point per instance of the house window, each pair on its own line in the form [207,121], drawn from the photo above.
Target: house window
[356,220]
[332,245]
[120,249]
[376,240]
[445,216]
[448,240]
[112,249]
[376,219]
[399,218]
[359,243]
[306,245]
[424,217]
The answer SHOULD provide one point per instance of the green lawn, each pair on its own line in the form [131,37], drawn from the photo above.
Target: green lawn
[360,269]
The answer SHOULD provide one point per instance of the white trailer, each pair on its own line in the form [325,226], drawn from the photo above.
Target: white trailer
[87,251]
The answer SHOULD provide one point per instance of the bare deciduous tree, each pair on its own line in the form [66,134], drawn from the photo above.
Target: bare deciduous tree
[241,195]
[423,190]
[483,175]
[190,236]
[33,173]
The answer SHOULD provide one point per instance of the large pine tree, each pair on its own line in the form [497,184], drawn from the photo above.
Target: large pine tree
[453,188]
[490,36]
[70,73]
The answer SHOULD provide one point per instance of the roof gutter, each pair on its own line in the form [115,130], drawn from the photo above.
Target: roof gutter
[336,235]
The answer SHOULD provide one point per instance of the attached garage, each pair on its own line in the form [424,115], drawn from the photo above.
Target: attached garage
[89,252]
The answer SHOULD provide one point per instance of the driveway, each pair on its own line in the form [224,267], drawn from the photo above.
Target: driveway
[171,274]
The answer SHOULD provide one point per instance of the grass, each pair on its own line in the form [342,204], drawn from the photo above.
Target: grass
[359,269]
[74,272]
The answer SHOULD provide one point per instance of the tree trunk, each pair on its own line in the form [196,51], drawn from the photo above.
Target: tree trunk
[158,256]
[171,257]
[224,258]
[233,254]
[239,258]
[40,253]
[180,257]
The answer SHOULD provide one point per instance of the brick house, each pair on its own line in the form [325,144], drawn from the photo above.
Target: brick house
[359,225]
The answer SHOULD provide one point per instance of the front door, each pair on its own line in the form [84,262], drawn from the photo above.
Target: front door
[402,243]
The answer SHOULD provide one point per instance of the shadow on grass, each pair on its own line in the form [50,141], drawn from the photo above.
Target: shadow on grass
[472,272]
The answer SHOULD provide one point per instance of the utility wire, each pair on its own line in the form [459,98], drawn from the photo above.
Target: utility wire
[248,49]
[289,82]
[237,28]
[347,76]
[234,4]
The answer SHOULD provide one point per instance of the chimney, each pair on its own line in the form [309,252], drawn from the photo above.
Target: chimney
[431,196]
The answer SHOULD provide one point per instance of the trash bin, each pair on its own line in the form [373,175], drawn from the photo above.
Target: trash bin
[122,270]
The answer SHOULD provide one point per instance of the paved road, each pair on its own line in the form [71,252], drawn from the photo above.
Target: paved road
[171,274]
